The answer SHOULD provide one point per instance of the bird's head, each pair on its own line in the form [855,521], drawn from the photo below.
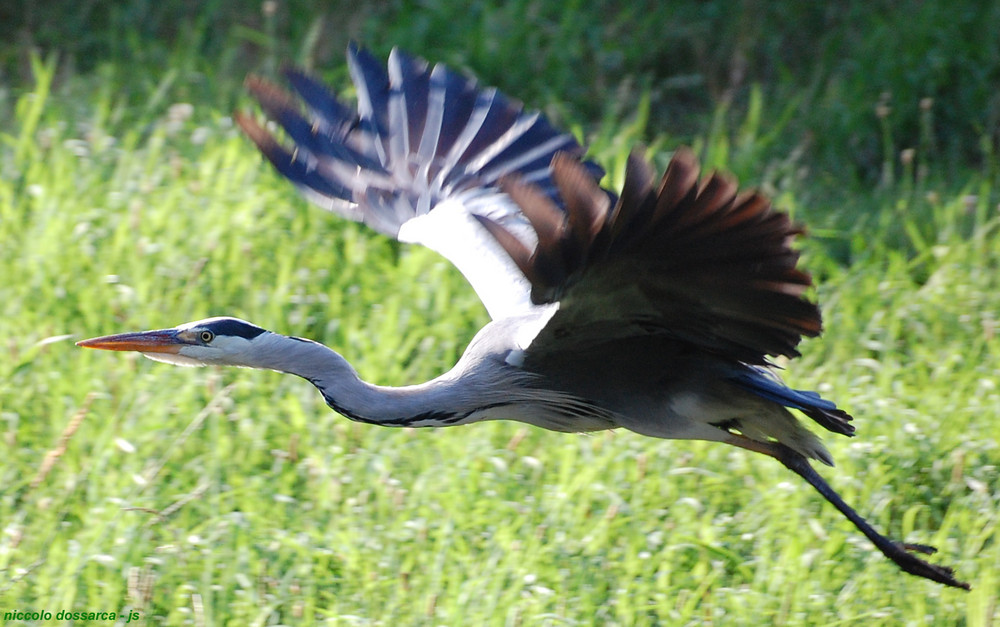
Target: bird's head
[213,341]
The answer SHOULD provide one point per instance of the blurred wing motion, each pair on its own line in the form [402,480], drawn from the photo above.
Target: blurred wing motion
[697,261]
[418,159]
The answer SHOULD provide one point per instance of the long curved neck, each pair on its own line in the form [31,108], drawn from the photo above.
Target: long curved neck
[432,404]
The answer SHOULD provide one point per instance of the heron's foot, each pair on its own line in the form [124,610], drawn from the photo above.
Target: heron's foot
[899,552]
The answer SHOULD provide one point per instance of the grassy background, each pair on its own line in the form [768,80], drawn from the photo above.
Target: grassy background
[129,201]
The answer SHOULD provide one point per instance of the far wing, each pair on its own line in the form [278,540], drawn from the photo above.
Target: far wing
[695,261]
[418,159]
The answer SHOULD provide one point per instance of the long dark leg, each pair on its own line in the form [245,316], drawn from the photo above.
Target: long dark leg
[896,551]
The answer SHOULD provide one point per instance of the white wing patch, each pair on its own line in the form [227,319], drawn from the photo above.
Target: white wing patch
[454,233]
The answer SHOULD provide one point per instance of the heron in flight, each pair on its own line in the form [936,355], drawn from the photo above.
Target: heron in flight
[656,310]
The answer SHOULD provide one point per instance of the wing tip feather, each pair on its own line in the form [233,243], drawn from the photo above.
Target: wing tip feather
[260,136]
[515,248]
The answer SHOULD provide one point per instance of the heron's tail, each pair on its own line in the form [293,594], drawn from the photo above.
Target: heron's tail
[824,412]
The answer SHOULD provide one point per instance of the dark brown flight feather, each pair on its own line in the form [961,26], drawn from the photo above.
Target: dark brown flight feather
[715,266]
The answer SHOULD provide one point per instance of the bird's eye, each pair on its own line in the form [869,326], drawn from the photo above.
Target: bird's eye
[207,336]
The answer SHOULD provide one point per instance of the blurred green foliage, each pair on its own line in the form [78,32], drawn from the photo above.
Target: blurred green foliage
[128,200]
[583,60]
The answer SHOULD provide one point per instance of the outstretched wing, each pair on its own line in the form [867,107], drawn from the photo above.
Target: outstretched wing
[418,159]
[692,261]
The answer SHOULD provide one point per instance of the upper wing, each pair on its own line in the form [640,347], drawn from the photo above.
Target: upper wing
[421,155]
[697,262]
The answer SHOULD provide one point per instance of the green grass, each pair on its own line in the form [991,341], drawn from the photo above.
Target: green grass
[236,497]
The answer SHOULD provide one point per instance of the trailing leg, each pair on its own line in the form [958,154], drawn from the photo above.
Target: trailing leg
[898,552]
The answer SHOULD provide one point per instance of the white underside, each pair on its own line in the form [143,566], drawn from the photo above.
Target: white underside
[462,240]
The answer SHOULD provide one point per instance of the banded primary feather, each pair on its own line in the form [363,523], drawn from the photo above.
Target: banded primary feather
[421,156]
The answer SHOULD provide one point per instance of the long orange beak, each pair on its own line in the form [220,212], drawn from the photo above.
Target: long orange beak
[161,341]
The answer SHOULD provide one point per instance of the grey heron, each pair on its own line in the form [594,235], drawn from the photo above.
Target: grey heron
[656,310]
